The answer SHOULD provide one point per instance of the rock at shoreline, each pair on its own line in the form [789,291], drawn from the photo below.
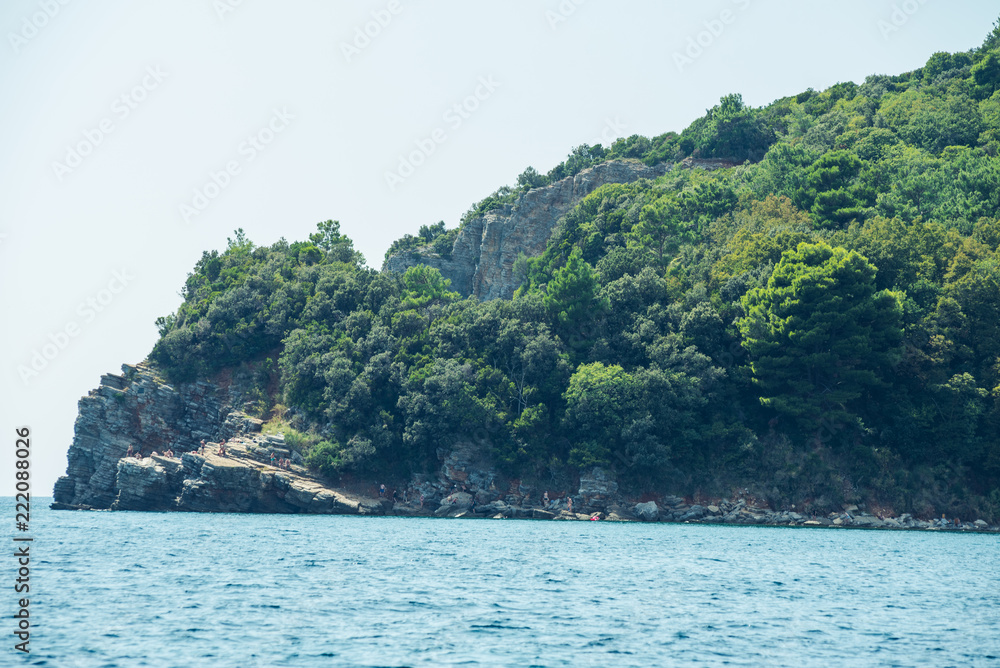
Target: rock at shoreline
[647,512]
[458,501]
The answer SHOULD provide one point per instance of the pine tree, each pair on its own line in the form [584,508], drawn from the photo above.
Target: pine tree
[819,334]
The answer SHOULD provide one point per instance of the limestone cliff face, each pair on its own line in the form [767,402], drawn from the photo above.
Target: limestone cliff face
[483,256]
[140,410]
[137,409]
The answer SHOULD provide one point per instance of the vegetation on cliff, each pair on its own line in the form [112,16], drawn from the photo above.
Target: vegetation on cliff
[820,324]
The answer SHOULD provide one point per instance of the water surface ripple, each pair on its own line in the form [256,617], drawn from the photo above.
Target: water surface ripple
[152,589]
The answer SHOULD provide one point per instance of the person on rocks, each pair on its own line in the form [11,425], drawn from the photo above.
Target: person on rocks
[545,499]
[381,491]
[395,496]
[129,453]
[156,454]
[569,504]
[201,450]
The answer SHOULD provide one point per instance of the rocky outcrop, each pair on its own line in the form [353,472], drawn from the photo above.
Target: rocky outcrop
[647,512]
[482,258]
[235,483]
[140,410]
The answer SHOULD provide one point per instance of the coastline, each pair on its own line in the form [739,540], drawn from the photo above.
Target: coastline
[243,482]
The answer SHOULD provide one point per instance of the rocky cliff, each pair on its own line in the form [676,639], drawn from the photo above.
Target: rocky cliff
[482,259]
[138,410]
[134,409]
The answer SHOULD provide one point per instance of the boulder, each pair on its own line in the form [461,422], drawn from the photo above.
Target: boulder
[867,521]
[695,512]
[647,512]
[452,502]
[142,485]
[457,500]
[493,508]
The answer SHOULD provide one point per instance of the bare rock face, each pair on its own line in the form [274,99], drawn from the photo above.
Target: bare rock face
[598,482]
[140,410]
[135,409]
[483,256]
[647,512]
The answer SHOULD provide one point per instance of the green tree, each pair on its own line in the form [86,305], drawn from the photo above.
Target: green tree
[660,227]
[337,246]
[734,131]
[571,296]
[425,285]
[986,74]
[819,334]
[600,402]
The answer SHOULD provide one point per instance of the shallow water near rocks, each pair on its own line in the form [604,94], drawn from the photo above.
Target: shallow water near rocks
[160,589]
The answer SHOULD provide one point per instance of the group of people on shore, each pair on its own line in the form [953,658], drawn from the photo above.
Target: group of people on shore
[220,452]
[281,462]
[383,493]
[138,453]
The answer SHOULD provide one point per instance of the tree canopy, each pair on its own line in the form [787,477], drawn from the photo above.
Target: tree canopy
[814,317]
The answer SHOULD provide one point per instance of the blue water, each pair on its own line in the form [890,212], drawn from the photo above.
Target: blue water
[151,589]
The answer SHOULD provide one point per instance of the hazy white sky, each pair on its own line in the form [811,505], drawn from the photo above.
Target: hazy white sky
[133,136]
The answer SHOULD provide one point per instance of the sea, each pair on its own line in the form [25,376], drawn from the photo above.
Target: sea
[128,589]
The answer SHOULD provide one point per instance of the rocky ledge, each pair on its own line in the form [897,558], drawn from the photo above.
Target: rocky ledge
[236,482]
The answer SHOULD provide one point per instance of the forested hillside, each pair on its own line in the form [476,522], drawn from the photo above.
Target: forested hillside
[819,324]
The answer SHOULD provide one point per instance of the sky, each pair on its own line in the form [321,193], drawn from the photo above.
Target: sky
[135,136]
